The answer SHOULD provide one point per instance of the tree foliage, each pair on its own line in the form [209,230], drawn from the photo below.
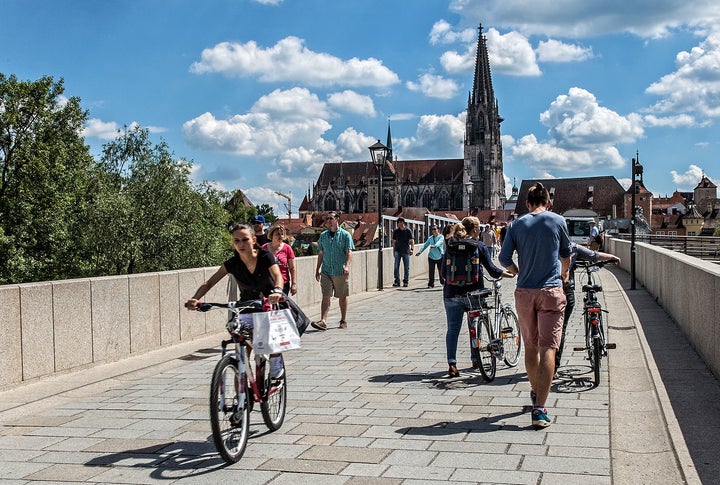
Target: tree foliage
[44,168]
[64,214]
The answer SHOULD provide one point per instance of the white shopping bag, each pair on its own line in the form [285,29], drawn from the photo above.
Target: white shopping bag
[274,332]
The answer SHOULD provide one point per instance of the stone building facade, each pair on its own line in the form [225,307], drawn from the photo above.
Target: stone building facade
[437,185]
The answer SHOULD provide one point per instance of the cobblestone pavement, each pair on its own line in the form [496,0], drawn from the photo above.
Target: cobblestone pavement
[368,404]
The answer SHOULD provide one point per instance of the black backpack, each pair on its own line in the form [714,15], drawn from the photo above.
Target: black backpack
[462,262]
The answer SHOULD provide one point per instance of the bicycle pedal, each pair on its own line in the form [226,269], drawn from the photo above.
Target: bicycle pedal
[507,330]
[610,346]
[578,349]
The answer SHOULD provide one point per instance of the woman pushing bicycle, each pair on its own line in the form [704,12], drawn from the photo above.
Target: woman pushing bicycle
[461,266]
[257,275]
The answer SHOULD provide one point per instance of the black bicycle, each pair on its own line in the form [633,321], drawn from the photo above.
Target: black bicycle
[596,345]
[235,386]
[492,339]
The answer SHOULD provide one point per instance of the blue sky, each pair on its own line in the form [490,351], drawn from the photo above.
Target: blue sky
[259,94]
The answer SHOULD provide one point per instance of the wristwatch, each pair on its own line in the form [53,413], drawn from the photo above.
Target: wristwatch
[277,291]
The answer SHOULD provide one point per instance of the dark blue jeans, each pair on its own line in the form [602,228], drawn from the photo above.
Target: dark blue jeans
[405,257]
[454,311]
[432,263]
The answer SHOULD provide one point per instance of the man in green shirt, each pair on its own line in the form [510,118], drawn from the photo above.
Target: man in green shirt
[335,248]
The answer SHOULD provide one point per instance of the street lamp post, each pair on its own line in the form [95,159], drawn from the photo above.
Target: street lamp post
[637,169]
[469,191]
[379,153]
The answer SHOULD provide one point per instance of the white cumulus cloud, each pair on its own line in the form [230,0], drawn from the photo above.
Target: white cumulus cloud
[583,136]
[689,179]
[695,86]
[291,60]
[553,50]
[443,33]
[434,86]
[352,102]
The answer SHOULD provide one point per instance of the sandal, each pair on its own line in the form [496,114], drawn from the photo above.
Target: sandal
[319,325]
[452,371]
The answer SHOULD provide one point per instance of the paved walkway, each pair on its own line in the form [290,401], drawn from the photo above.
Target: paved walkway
[369,405]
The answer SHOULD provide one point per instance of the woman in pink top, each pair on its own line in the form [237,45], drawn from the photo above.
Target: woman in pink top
[285,257]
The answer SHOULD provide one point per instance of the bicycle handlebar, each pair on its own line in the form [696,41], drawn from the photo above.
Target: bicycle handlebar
[257,304]
[590,264]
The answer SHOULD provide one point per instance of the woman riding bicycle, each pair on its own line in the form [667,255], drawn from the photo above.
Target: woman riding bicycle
[454,295]
[257,275]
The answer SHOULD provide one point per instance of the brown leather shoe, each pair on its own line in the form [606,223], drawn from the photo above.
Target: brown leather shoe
[452,371]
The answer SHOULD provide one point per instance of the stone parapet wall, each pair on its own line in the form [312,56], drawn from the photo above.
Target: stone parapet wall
[61,326]
[687,288]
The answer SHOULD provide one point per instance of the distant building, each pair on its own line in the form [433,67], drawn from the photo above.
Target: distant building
[601,195]
[437,185]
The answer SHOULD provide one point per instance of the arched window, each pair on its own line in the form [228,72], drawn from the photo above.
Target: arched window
[387,199]
[409,199]
[477,168]
[458,201]
[443,200]
[362,202]
[427,200]
[330,203]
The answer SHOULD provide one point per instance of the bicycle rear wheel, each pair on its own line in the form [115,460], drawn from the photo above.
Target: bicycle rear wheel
[597,356]
[511,338]
[274,398]
[488,363]
[229,418]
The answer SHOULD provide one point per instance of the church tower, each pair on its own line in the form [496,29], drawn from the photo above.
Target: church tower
[483,166]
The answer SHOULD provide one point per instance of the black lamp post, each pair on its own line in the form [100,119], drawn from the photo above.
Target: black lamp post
[379,153]
[469,191]
[637,170]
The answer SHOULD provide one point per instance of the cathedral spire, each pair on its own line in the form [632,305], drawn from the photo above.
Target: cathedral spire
[483,148]
[388,143]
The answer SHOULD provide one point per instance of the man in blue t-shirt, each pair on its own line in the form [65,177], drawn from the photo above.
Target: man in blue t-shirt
[543,247]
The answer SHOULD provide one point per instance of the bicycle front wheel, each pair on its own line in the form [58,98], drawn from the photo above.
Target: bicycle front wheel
[488,363]
[274,397]
[229,417]
[511,338]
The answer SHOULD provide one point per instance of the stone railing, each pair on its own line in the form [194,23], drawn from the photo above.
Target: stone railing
[685,287]
[61,326]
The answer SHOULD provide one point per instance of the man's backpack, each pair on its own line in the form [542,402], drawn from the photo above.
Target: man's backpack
[462,262]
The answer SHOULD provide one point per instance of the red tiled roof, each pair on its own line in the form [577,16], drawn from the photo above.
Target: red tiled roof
[576,193]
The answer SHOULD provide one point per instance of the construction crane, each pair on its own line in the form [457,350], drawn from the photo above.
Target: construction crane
[288,206]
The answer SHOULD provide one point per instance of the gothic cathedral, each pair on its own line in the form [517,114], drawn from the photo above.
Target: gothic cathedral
[437,185]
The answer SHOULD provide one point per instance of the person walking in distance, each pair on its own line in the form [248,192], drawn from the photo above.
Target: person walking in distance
[335,248]
[436,243]
[594,240]
[543,251]
[259,227]
[285,257]
[489,239]
[403,247]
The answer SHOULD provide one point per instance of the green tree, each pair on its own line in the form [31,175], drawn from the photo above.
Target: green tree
[151,216]
[45,169]
[267,212]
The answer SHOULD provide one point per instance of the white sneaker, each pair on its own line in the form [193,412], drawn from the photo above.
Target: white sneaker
[276,367]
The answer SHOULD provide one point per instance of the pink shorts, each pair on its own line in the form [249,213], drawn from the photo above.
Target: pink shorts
[540,313]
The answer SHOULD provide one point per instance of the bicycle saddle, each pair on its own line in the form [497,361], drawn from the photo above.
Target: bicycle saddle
[482,293]
[593,288]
